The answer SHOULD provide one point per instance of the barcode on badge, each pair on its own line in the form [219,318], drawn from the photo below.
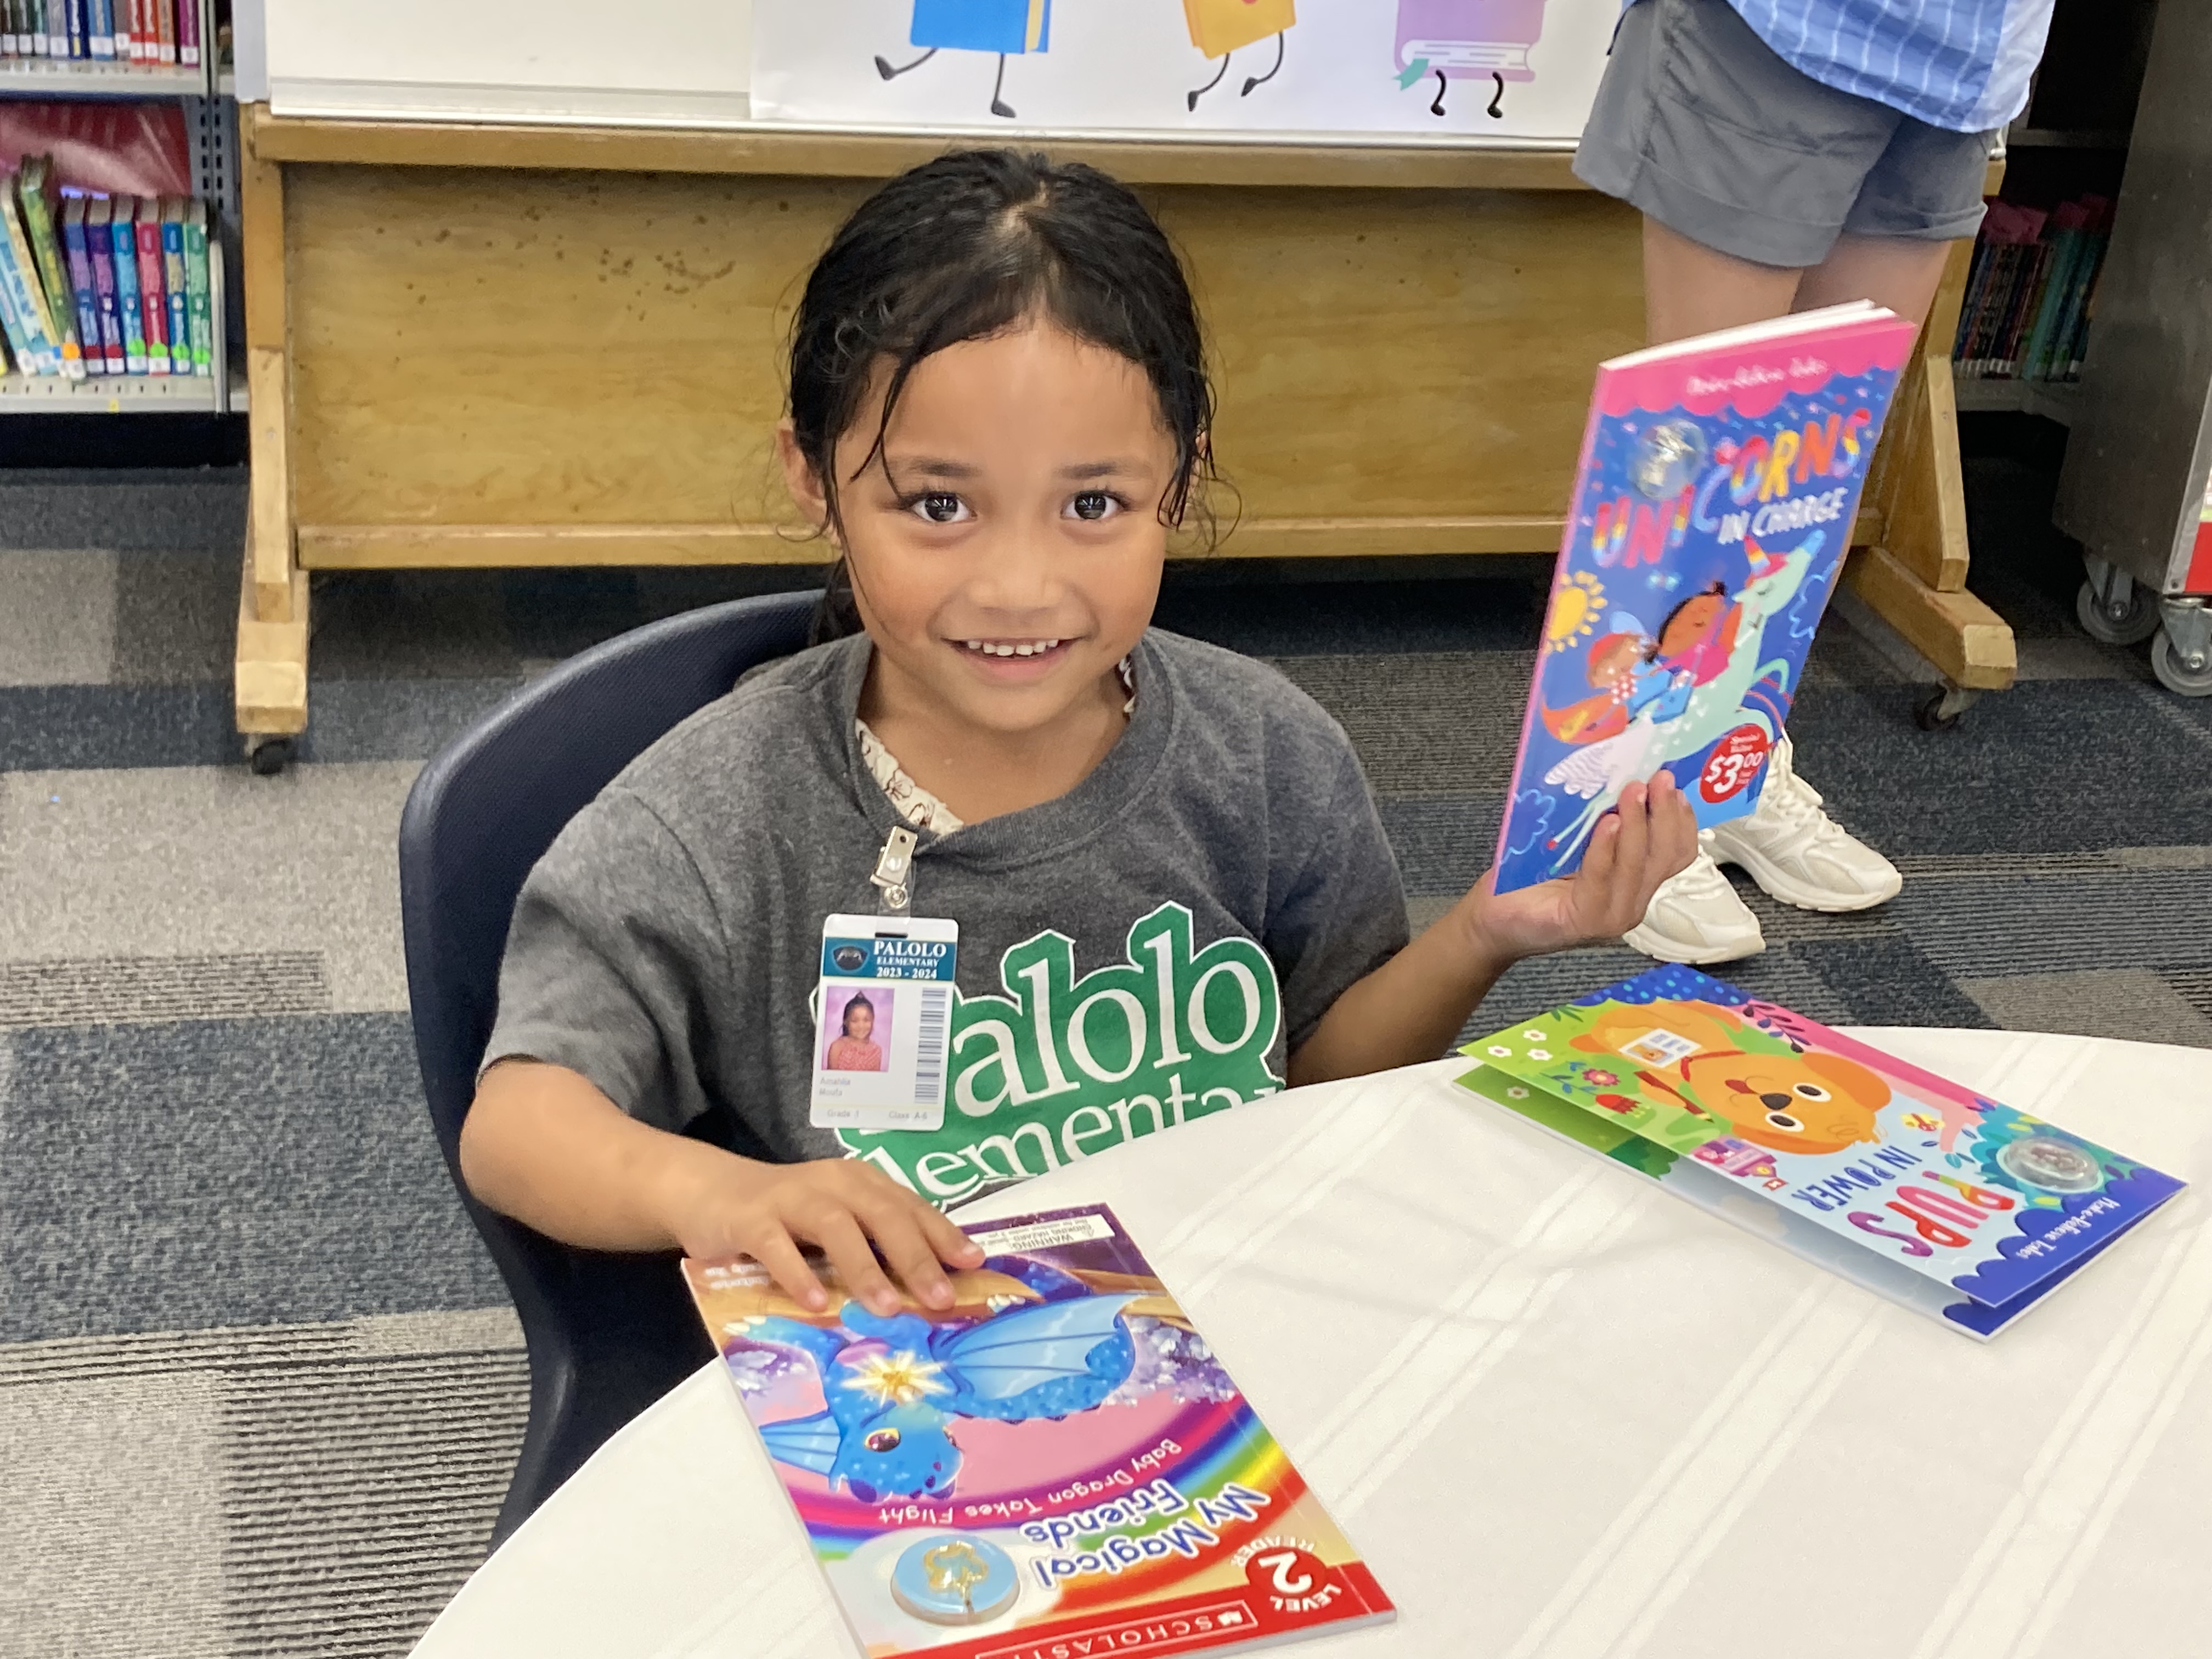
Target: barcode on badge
[929,1046]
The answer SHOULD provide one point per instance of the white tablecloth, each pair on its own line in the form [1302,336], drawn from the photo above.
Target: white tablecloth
[1561,1412]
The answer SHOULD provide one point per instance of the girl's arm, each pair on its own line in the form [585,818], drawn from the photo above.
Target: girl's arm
[542,1145]
[1411,1008]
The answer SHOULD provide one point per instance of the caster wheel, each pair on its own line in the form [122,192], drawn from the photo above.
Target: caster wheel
[2175,675]
[1932,716]
[2137,624]
[269,756]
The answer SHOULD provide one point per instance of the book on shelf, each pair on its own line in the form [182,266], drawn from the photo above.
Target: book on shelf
[1918,1188]
[82,289]
[100,247]
[2030,291]
[1717,491]
[27,322]
[153,288]
[129,310]
[1056,1464]
[200,309]
[175,287]
[37,201]
[140,33]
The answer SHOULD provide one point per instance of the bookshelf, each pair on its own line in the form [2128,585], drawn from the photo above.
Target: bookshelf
[43,77]
[210,122]
[135,394]
[2054,400]
[2017,349]
[49,77]
[2137,477]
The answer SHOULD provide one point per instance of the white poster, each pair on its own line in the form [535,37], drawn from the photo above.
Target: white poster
[1454,70]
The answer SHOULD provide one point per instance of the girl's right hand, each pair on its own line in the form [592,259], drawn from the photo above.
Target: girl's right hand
[726,1207]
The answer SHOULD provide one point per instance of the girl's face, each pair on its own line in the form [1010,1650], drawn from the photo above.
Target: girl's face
[860,1020]
[1006,551]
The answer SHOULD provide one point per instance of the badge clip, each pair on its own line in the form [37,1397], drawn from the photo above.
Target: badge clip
[894,874]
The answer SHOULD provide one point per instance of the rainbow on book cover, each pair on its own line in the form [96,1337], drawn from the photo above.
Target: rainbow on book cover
[1058,1462]
[1715,498]
[1921,1188]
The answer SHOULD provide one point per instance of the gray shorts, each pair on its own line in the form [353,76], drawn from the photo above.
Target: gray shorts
[1699,125]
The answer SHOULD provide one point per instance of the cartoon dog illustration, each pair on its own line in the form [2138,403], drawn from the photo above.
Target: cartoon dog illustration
[1692,1054]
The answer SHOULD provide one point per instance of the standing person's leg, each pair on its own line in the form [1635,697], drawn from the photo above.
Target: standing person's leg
[1763,192]
[1923,192]
[1900,272]
[1690,288]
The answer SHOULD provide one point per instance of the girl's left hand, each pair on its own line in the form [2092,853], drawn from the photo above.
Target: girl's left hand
[1652,835]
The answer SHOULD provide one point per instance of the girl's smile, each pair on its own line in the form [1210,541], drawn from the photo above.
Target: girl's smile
[1006,542]
[1014,662]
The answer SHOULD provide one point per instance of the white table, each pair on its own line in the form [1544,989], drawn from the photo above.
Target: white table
[1561,1412]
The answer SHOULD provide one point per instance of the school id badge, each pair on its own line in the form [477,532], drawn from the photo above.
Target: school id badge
[883,1013]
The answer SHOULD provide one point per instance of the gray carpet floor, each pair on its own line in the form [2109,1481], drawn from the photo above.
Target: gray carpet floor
[259,1386]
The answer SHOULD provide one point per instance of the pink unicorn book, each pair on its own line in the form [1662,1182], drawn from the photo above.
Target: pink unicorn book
[1713,502]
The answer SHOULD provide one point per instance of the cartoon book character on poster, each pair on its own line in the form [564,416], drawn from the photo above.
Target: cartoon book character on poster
[1219,28]
[1705,542]
[1008,27]
[1452,40]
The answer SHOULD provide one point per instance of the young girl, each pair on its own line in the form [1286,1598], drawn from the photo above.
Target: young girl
[855,1048]
[1173,890]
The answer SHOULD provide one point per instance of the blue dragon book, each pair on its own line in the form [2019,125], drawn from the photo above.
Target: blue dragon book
[1057,1465]
[1719,480]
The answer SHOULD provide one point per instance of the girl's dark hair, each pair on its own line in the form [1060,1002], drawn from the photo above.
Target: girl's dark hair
[965,247]
[858,1000]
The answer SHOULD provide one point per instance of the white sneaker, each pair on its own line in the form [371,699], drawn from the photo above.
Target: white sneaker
[1799,855]
[1696,917]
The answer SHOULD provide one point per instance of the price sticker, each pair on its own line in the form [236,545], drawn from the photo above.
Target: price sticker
[1735,761]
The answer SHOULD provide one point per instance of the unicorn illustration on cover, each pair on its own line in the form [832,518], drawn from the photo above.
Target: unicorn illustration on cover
[1678,693]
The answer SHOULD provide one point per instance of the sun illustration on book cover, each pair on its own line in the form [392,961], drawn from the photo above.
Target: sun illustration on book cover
[1576,602]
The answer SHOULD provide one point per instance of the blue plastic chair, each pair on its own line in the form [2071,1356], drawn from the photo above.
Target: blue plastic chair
[607,1334]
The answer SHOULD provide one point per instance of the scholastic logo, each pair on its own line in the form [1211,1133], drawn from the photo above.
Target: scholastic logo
[1192,1628]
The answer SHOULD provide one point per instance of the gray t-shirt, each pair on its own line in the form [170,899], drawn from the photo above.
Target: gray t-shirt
[1142,950]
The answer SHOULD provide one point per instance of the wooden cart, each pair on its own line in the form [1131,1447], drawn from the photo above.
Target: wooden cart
[476,346]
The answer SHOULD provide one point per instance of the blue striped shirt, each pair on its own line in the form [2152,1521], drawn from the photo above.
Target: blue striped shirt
[1963,64]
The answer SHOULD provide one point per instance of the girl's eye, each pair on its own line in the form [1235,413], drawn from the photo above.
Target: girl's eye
[1092,505]
[939,507]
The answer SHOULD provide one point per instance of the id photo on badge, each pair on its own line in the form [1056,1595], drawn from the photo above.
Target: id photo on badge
[883,1018]
[858,1026]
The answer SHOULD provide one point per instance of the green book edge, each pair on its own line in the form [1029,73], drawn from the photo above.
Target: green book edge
[1563,1118]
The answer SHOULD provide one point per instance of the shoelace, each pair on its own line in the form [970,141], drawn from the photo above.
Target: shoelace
[1796,803]
[1701,876]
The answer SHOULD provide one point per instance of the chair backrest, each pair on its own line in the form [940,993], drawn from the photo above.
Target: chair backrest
[607,1334]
